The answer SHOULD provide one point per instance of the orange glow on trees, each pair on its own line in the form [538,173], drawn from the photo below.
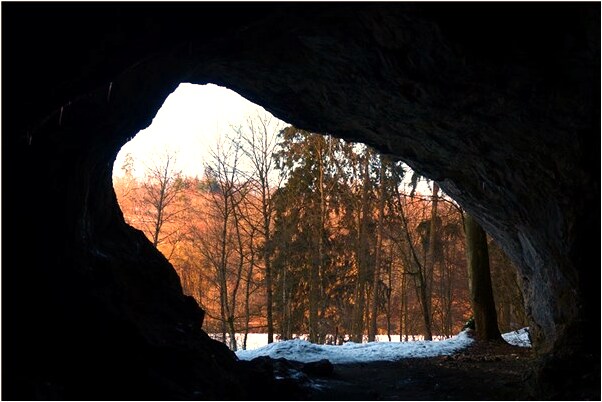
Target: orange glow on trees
[347,251]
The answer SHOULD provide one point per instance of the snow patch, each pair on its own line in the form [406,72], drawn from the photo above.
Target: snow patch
[520,337]
[351,352]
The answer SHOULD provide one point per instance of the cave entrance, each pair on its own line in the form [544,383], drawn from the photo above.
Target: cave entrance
[243,204]
[497,105]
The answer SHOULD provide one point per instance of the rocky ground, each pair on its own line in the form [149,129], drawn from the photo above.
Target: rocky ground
[483,371]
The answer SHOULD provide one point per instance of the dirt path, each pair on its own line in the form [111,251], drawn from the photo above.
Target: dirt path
[484,371]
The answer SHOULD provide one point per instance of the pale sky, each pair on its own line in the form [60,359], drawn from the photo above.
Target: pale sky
[188,124]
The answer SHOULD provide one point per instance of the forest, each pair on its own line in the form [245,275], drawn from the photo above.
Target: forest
[291,232]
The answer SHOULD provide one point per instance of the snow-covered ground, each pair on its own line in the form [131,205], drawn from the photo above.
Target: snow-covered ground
[350,352]
[520,337]
[257,340]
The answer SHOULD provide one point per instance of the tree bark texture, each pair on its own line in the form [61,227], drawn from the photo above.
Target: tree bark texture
[479,279]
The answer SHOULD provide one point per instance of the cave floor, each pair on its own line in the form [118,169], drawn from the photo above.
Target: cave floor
[483,371]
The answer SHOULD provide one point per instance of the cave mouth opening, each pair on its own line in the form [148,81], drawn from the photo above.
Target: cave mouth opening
[214,173]
[515,108]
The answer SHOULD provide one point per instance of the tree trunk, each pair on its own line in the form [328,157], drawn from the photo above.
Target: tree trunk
[362,255]
[314,293]
[318,261]
[431,259]
[248,290]
[424,303]
[404,307]
[241,261]
[284,314]
[267,259]
[418,275]
[269,296]
[389,294]
[479,280]
[358,308]
[377,254]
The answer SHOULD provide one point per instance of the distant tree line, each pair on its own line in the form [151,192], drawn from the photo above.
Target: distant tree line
[292,232]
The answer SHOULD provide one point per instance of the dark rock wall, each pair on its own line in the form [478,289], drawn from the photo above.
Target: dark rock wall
[498,103]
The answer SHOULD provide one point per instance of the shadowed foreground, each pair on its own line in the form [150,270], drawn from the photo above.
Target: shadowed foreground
[483,371]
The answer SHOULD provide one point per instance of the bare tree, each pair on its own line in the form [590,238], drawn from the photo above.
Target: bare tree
[248,283]
[222,243]
[162,201]
[260,140]
[418,271]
